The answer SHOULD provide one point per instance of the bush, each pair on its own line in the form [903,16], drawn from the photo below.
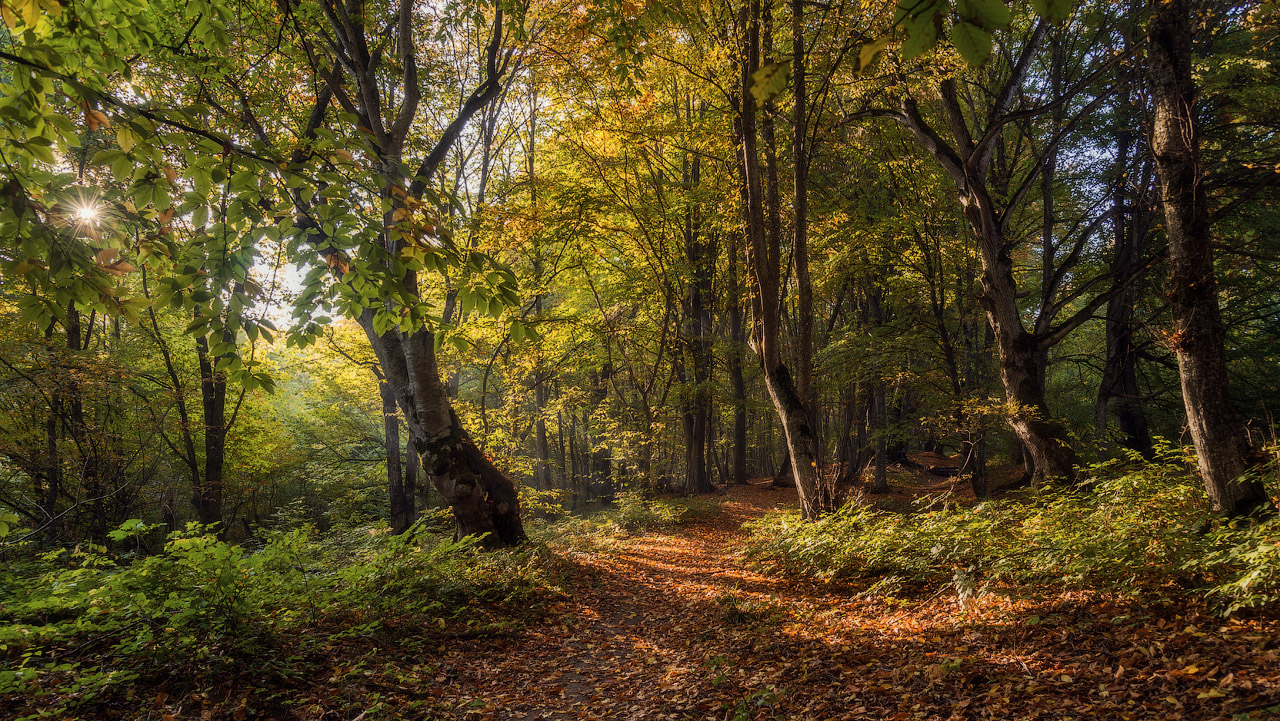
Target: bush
[635,512]
[203,604]
[1135,530]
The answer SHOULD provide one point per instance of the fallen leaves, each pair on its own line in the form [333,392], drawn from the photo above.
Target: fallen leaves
[663,626]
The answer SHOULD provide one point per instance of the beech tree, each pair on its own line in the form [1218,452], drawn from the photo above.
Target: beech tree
[1222,446]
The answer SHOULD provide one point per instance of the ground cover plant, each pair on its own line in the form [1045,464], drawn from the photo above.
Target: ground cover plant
[82,627]
[1141,528]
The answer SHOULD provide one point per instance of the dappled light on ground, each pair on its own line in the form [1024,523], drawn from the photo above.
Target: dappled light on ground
[675,626]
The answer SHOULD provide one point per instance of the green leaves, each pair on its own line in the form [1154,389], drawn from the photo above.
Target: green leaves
[986,14]
[972,42]
[920,19]
[6,521]
[971,28]
[972,34]
[1055,10]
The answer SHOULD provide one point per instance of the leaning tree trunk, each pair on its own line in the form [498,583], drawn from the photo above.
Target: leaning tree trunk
[1198,337]
[484,501]
[802,444]
[1022,355]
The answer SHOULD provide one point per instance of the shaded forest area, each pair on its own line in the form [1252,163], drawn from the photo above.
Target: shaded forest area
[392,339]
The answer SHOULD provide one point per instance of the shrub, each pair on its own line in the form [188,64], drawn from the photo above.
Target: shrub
[203,604]
[1135,529]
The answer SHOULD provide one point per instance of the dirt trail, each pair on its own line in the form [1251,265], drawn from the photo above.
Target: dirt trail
[673,626]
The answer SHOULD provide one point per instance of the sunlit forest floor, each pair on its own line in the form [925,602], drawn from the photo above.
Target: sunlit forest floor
[673,624]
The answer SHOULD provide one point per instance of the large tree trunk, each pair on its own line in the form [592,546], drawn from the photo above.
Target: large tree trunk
[765,258]
[1198,338]
[1022,355]
[484,501]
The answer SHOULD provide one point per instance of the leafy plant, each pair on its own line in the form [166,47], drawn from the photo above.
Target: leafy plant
[1140,528]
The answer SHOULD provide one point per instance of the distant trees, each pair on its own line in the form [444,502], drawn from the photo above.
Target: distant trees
[672,187]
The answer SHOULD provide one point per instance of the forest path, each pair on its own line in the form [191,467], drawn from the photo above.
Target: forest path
[672,625]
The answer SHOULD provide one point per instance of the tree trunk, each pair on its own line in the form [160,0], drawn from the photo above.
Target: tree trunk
[1119,373]
[1022,355]
[484,501]
[697,335]
[207,496]
[401,500]
[800,204]
[765,257]
[880,417]
[737,340]
[1198,337]
[411,483]
[541,448]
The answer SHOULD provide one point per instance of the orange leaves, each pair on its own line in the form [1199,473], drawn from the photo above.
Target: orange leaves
[339,262]
[93,118]
[109,260]
[641,633]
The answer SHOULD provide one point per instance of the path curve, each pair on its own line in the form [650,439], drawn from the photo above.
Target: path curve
[672,625]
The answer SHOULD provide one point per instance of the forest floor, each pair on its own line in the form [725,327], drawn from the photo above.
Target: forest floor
[672,625]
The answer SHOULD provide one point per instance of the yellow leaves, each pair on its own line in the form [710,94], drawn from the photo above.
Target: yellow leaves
[27,11]
[399,214]
[869,52]
[126,139]
[1211,693]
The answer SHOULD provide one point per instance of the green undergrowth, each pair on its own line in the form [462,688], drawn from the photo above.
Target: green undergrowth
[1139,528]
[631,513]
[80,625]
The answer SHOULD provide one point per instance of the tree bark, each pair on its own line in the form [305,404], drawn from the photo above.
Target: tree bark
[207,496]
[766,326]
[484,501]
[401,500]
[1198,337]
[800,204]
[737,340]
[1119,373]
[1022,354]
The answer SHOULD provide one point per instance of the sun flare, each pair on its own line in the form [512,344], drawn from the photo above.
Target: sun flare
[86,213]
